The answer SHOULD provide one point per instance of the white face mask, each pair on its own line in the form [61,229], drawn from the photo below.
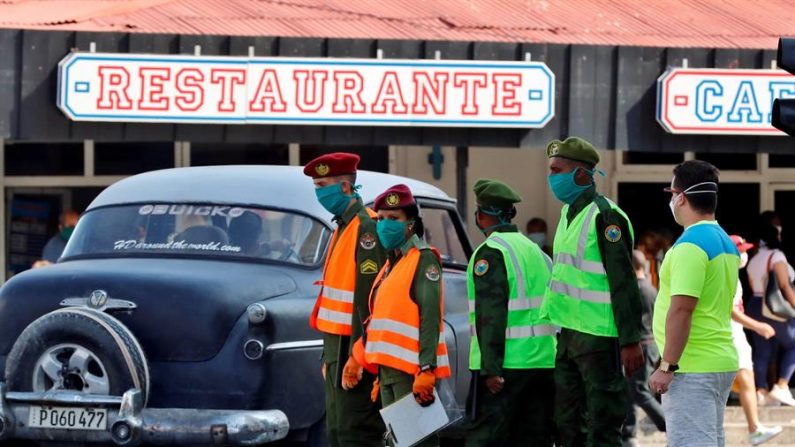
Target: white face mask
[539,238]
[672,205]
[743,260]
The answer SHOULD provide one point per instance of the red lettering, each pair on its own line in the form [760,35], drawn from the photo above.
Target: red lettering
[305,101]
[348,87]
[191,94]
[113,85]
[152,80]
[228,80]
[430,93]
[470,82]
[389,93]
[268,97]
[505,85]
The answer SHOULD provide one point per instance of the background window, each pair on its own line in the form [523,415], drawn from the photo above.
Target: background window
[208,154]
[44,158]
[132,158]
[730,162]
[441,232]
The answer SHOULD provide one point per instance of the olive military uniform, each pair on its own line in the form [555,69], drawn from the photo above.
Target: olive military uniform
[426,292]
[352,418]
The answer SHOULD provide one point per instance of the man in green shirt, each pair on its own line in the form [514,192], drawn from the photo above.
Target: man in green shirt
[512,352]
[593,296]
[692,314]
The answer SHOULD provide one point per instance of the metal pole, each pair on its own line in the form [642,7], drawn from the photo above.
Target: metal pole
[462,191]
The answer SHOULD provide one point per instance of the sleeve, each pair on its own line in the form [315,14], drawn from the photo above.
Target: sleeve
[427,292]
[616,244]
[370,257]
[688,270]
[491,309]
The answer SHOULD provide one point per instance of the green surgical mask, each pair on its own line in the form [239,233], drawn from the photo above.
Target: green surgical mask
[66,233]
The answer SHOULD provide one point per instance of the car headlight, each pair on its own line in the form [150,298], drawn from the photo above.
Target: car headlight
[256,313]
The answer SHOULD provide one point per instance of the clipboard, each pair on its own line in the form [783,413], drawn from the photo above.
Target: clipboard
[409,423]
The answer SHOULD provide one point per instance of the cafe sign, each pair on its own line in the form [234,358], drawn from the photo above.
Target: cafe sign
[721,101]
[322,91]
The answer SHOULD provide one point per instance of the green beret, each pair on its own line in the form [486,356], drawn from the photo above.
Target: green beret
[495,193]
[573,148]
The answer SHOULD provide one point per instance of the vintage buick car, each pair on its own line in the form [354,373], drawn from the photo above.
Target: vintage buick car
[179,311]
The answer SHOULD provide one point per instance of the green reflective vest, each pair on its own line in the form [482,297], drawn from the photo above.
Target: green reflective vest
[578,295]
[529,339]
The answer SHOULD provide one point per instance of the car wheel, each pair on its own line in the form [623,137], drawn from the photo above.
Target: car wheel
[77,349]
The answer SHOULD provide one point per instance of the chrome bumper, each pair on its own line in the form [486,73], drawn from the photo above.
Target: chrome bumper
[129,423]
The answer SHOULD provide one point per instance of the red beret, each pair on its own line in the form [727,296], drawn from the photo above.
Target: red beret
[396,197]
[332,165]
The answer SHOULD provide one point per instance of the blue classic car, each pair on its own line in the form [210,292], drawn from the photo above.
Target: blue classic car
[179,312]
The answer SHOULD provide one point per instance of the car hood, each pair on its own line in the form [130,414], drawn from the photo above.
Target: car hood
[185,308]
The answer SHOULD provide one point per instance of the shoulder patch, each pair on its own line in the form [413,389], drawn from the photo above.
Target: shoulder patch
[481,267]
[433,273]
[613,233]
[367,241]
[368,267]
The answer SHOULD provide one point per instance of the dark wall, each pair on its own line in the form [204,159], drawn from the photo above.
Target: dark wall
[603,93]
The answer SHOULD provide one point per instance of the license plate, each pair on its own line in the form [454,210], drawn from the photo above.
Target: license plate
[68,418]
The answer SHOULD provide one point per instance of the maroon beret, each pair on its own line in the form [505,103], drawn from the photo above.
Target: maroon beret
[396,197]
[332,165]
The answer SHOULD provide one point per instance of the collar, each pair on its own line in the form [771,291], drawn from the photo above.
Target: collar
[412,242]
[585,199]
[703,222]
[350,213]
[506,228]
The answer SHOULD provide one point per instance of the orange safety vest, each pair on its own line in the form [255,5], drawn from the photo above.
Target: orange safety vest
[333,312]
[393,332]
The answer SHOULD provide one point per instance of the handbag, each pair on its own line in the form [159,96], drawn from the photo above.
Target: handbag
[774,301]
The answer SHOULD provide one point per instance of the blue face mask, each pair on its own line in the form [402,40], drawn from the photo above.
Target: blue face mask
[565,188]
[333,199]
[391,233]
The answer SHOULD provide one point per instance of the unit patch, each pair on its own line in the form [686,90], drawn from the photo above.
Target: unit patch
[392,199]
[432,273]
[322,169]
[368,267]
[481,267]
[613,233]
[367,241]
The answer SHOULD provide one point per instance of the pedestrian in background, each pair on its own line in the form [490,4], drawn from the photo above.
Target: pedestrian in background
[692,313]
[512,350]
[54,247]
[593,296]
[536,231]
[770,260]
[757,433]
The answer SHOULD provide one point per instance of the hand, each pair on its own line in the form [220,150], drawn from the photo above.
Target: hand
[631,358]
[495,384]
[351,374]
[376,390]
[660,381]
[423,388]
[765,330]
[323,370]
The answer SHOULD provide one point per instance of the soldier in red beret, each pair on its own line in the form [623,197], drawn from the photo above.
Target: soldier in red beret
[405,337]
[353,259]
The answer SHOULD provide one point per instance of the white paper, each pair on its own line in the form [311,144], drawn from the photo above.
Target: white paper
[410,423]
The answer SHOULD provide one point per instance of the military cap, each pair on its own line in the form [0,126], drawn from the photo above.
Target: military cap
[573,148]
[332,165]
[396,197]
[494,193]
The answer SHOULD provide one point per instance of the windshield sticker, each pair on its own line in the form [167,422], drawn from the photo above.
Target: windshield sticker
[132,244]
[190,210]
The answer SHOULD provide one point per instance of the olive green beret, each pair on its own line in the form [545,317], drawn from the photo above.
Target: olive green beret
[573,148]
[495,193]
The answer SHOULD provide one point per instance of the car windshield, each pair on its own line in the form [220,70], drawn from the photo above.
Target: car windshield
[165,229]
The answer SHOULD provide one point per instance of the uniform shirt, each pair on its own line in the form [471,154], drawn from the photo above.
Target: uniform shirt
[364,279]
[624,293]
[702,264]
[491,308]
[426,292]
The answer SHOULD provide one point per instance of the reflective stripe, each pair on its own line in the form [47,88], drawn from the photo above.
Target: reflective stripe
[517,269]
[382,347]
[382,324]
[471,306]
[540,330]
[472,331]
[525,303]
[334,316]
[338,295]
[580,263]
[586,228]
[580,294]
[442,361]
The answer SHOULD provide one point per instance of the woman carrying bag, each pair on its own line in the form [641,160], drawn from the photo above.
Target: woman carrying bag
[770,260]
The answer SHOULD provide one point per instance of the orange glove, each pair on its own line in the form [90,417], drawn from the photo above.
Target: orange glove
[376,390]
[423,387]
[351,374]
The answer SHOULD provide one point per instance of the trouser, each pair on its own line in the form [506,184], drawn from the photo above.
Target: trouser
[764,350]
[642,396]
[519,415]
[590,390]
[352,419]
[397,387]
[694,406]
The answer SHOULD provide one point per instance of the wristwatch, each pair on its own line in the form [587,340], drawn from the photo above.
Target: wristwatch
[668,367]
[424,368]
